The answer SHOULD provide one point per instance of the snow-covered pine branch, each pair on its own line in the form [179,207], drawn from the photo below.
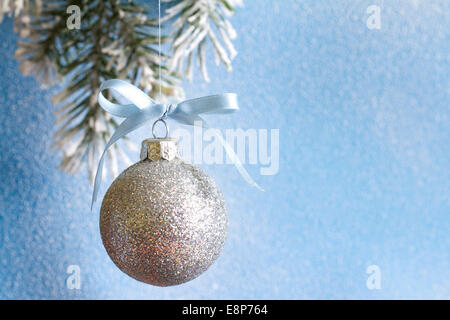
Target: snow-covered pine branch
[116,40]
[196,21]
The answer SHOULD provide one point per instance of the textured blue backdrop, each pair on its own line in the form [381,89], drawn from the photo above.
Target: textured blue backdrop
[364,164]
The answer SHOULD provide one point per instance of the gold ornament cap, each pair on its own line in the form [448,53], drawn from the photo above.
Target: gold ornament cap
[159,149]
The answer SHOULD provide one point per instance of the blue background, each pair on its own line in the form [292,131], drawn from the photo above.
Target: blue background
[364,164]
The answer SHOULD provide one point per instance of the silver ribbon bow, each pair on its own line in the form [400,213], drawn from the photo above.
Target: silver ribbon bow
[143,109]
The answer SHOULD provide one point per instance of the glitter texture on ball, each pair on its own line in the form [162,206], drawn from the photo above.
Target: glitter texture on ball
[163,222]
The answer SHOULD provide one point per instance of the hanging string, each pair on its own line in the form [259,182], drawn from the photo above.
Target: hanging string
[159,48]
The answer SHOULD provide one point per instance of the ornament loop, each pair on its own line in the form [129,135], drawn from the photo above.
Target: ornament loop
[165,125]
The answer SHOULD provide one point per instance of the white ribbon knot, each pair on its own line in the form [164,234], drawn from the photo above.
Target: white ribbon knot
[143,109]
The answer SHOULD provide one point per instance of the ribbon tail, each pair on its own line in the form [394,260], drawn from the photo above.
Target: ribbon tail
[188,112]
[98,176]
[128,125]
[237,163]
[230,152]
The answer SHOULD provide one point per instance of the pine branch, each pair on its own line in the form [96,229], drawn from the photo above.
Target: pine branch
[18,7]
[115,41]
[196,21]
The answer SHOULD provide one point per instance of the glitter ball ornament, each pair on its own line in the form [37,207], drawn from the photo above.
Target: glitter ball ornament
[163,221]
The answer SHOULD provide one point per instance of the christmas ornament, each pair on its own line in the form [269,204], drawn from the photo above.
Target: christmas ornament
[163,221]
